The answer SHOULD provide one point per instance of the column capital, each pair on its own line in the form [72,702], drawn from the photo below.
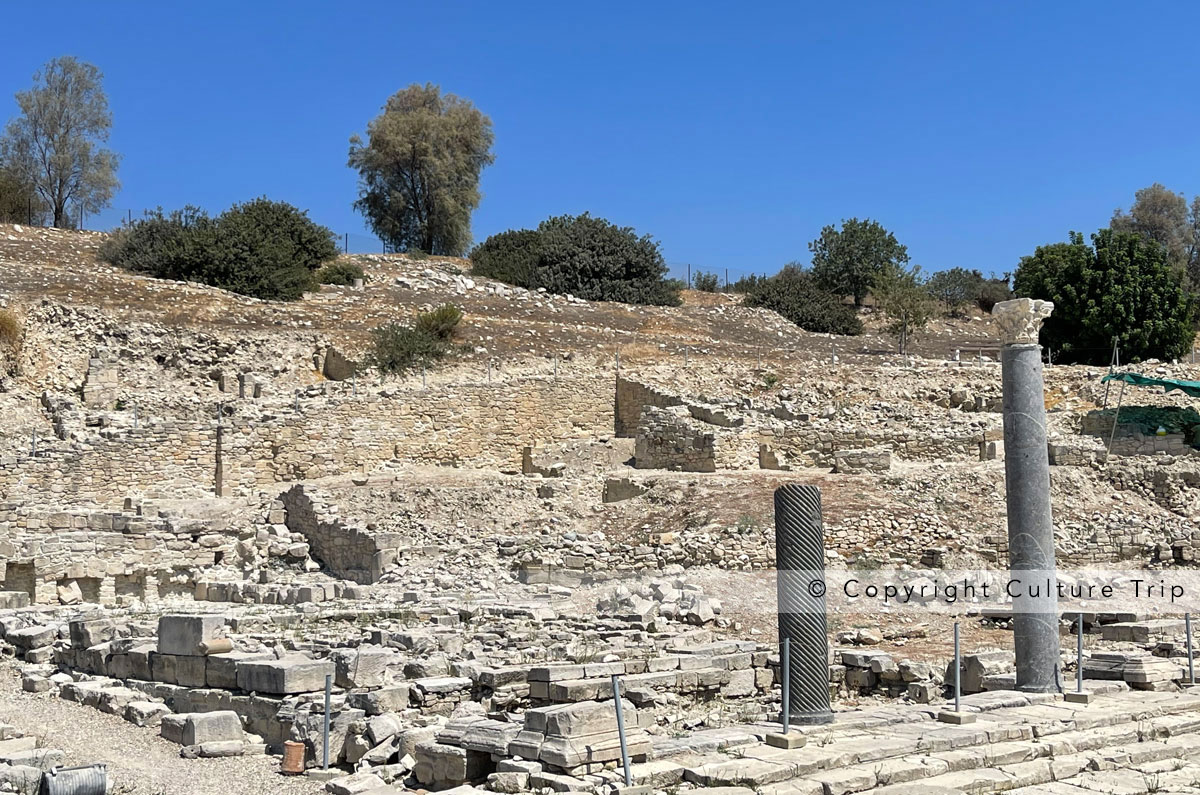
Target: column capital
[1020,319]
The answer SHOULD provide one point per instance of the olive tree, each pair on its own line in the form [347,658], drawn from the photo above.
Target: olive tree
[419,170]
[56,143]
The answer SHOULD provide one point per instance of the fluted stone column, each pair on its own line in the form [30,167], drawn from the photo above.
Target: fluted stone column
[1027,480]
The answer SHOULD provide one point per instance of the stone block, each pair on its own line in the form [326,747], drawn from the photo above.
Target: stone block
[285,676]
[31,637]
[183,634]
[220,670]
[195,728]
[365,666]
[146,713]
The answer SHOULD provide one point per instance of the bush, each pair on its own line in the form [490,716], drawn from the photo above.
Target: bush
[992,292]
[262,248]
[793,293]
[397,348]
[341,273]
[747,284]
[1121,287]
[706,282]
[12,338]
[587,257]
[510,257]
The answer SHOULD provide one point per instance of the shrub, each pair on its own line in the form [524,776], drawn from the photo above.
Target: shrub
[793,293]
[747,284]
[12,338]
[992,292]
[1121,287]
[397,348]
[904,298]
[706,282]
[583,256]
[440,322]
[262,248]
[341,273]
[510,257]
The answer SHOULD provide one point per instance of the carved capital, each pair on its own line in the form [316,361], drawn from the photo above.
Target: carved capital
[1020,319]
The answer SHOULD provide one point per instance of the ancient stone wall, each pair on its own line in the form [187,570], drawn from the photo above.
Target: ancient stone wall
[631,398]
[106,555]
[476,425]
[345,546]
[670,439]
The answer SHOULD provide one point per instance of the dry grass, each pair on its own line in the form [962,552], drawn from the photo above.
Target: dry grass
[12,338]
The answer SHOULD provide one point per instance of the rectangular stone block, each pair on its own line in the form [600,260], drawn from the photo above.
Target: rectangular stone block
[285,676]
[183,634]
[194,728]
[220,670]
[365,666]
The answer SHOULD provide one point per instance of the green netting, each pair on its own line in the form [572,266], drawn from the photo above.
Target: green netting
[1190,388]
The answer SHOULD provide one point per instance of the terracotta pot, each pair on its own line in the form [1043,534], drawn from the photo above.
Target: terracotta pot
[293,759]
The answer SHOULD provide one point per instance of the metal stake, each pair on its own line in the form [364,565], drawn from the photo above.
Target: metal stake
[785,672]
[957,672]
[685,355]
[135,415]
[325,728]
[33,445]
[616,683]
[618,361]
[1079,656]
[1187,625]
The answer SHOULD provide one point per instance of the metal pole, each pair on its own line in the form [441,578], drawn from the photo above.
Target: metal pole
[135,415]
[325,728]
[33,445]
[1116,413]
[618,356]
[689,274]
[785,670]
[1079,656]
[346,248]
[957,672]
[616,683]
[685,355]
[1187,625]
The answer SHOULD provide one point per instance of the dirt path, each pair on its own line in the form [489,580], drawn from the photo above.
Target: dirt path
[139,761]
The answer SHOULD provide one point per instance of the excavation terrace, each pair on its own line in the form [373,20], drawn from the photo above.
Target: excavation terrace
[206,513]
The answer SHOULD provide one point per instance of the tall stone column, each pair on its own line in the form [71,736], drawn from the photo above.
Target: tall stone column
[1027,480]
[800,592]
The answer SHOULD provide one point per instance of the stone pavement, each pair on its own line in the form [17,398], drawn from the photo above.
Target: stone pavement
[1122,742]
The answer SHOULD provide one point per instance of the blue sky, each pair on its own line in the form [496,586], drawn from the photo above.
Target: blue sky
[974,131]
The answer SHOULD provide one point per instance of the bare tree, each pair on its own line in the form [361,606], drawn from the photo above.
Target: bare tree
[56,141]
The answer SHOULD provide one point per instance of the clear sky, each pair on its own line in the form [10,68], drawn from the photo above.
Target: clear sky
[730,132]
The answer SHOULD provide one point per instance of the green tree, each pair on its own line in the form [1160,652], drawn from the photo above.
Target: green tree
[1121,287]
[1161,215]
[795,295]
[419,170]
[706,282]
[846,261]
[55,144]
[902,295]
[955,288]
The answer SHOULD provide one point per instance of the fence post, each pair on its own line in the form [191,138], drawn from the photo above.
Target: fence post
[616,684]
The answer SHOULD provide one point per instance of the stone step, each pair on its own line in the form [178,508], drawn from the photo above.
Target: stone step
[1007,747]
